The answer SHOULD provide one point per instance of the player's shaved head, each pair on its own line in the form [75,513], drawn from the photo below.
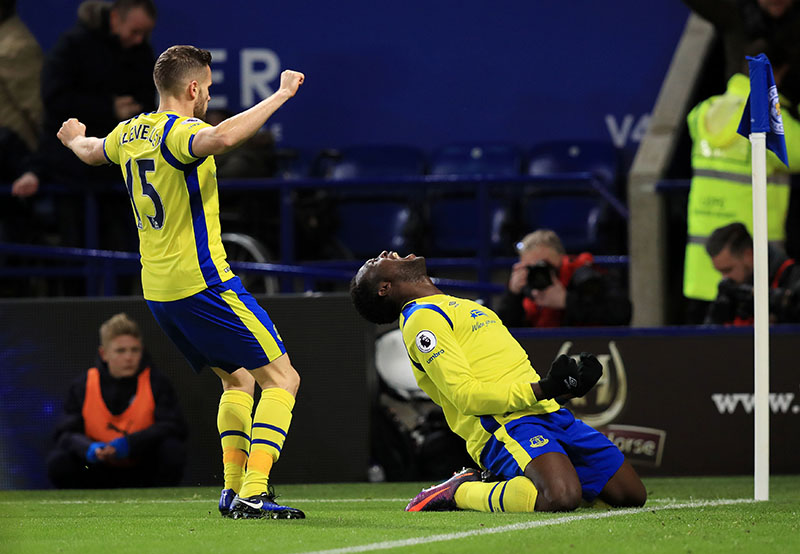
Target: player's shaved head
[382,304]
[177,66]
[368,302]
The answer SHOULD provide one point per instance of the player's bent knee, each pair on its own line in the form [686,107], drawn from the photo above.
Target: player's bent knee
[625,489]
[293,382]
[290,379]
[561,496]
[638,501]
[237,380]
[280,373]
[635,498]
[556,504]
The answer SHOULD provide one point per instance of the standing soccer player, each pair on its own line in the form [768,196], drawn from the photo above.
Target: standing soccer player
[465,359]
[167,162]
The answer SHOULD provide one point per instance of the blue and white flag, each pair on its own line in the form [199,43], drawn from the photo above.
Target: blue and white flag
[762,113]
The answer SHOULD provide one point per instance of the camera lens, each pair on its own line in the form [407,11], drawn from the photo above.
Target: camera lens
[540,275]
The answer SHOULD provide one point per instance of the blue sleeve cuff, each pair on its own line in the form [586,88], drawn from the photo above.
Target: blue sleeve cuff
[122,446]
[91,453]
[106,153]
[191,152]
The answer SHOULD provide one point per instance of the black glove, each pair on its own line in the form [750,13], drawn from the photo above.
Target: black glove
[562,379]
[589,372]
[568,377]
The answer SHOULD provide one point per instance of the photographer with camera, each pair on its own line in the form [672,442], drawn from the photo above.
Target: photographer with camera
[731,251]
[548,288]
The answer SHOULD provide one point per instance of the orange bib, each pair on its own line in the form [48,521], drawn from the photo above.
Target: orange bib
[101,425]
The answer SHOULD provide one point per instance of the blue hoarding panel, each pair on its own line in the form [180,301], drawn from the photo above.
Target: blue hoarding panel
[427,73]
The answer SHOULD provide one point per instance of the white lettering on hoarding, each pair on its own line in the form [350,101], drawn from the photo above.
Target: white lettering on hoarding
[218,56]
[779,402]
[258,66]
[628,129]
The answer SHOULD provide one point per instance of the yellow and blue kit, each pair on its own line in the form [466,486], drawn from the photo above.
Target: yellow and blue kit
[175,204]
[186,279]
[466,360]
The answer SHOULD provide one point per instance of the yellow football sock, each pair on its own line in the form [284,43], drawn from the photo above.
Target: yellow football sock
[516,495]
[270,425]
[234,422]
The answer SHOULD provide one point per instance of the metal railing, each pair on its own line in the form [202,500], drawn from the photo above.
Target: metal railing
[107,265]
[100,267]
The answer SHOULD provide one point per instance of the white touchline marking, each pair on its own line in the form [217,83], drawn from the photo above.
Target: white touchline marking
[210,501]
[526,525]
[288,500]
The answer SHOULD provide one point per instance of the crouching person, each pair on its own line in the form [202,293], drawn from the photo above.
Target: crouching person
[121,425]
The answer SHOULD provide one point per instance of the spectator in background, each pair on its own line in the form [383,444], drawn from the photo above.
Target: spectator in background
[731,251]
[548,288]
[100,71]
[255,159]
[20,114]
[122,425]
[753,26]
[20,68]
[750,27]
[720,191]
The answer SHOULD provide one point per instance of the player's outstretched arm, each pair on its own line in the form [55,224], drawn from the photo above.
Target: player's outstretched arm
[235,130]
[89,149]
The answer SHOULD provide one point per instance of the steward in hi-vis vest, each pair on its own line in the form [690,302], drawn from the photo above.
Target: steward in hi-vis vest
[721,191]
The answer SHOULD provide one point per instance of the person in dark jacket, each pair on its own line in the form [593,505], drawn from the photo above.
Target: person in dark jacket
[731,251]
[548,288]
[122,425]
[751,26]
[99,71]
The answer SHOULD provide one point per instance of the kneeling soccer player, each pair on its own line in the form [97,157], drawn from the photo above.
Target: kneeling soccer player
[465,359]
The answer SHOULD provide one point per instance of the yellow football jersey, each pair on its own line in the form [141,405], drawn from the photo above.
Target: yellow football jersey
[175,204]
[465,359]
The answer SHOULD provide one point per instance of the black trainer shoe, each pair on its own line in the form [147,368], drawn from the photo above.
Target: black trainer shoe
[262,506]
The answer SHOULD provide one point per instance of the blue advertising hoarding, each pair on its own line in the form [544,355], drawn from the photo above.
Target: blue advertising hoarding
[427,73]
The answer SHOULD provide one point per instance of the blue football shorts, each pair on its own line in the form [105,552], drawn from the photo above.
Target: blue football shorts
[222,326]
[512,446]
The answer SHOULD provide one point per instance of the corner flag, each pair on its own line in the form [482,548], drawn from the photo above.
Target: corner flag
[762,124]
[762,113]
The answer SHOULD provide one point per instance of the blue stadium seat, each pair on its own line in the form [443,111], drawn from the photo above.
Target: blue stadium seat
[383,217]
[600,158]
[477,159]
[378,161]
[575,210]
[453,214]
[293,163]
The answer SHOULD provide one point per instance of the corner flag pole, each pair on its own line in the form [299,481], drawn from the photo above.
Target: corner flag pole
[762,122]
[761,315]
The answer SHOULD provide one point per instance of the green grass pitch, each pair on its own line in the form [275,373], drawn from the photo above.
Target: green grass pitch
[688,515]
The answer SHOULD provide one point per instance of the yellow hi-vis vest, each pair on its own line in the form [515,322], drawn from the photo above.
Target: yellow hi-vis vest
[721,191]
